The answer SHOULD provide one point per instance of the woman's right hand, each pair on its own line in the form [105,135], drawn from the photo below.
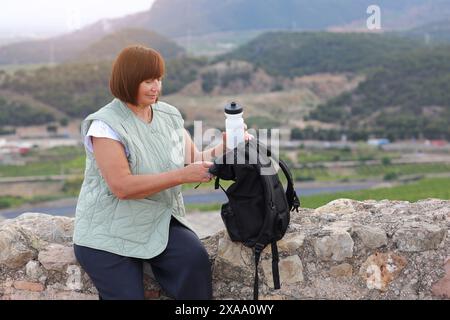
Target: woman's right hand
[197,172]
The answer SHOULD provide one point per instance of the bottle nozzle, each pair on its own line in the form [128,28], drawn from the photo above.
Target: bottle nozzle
[233,108]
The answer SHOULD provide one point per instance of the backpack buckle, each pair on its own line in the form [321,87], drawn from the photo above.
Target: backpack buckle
[296,203]
[259,247]
[216,183]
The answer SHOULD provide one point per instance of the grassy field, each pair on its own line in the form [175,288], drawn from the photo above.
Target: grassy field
[71,160]
[426,188]
[345,154]
[388,172]
[59,160]
[14,201]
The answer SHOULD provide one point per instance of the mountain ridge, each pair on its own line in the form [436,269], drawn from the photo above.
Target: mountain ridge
[198,17]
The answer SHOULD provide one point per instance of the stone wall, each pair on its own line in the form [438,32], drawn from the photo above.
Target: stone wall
[344,250]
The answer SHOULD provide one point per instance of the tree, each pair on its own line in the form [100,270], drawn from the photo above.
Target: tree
[52,129]
[64,122]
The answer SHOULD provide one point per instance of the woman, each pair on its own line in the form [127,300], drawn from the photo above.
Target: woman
[130,208]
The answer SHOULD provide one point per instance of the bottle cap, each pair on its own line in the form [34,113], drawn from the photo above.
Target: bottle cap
[233,108]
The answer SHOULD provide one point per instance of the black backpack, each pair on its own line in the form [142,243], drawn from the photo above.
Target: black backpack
[258,211]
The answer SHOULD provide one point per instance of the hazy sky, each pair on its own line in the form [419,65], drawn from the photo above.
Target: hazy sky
[37,17]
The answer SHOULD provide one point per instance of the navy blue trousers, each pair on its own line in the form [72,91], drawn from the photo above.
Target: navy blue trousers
[182,269]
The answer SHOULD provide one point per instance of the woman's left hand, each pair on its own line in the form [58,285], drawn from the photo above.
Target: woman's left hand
[247,136]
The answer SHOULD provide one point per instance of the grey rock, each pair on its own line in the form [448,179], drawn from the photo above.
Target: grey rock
[336,246]
[34,270]
[291,271]
[48,228]
[342,270]
[56,257]
[372,237]
[74,281]
[419,236]
[15,249]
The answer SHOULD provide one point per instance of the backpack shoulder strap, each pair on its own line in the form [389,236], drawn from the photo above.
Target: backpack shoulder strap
[275,260]
[291,195]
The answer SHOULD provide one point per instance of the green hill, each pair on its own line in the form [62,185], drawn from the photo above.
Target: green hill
[408,97]
[188,19]
[302,53]
[405,95]
[406,91]
[109,46]
[14,113]
[74,89]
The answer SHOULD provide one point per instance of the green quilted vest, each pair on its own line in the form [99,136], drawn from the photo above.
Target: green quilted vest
[139,227]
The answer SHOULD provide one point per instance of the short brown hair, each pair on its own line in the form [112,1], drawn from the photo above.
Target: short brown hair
[134,65]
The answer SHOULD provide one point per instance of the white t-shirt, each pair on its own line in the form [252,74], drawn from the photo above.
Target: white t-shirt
[100,129]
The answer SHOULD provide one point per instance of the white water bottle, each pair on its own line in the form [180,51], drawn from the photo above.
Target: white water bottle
[234,125]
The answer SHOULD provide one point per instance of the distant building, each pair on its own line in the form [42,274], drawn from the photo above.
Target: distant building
[378,142]
[14,147]
[438,143]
